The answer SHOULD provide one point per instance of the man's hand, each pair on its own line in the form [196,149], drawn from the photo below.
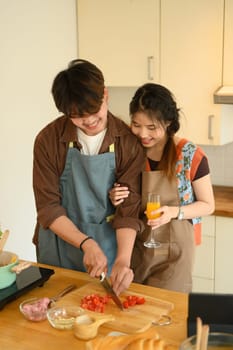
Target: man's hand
[121,278]
[94,258]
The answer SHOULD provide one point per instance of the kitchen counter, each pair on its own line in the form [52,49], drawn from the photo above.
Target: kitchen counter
[19,334]
[223,201]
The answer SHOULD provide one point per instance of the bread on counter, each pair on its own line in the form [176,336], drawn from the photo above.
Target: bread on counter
[147,340]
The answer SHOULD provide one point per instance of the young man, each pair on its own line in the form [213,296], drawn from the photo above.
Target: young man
[77,159]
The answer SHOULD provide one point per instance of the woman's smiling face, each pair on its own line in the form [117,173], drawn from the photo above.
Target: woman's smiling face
[149,131]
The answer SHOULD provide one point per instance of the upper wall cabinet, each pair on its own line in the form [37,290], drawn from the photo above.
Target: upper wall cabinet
[122,38]
[176,43]
[228,44]
[191,63]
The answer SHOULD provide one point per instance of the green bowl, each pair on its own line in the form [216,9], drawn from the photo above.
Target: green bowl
[7,261]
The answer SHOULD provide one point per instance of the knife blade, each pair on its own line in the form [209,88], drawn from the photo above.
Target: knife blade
[108,288]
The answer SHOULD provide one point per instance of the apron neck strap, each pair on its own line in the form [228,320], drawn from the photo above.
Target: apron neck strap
[147,165]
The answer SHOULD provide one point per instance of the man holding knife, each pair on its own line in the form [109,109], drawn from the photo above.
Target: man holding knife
[77,159]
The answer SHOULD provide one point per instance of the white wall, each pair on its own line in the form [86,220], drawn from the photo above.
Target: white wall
[221,165]
[119,99]
[37,40]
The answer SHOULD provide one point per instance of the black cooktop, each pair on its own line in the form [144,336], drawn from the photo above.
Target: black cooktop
[28,279]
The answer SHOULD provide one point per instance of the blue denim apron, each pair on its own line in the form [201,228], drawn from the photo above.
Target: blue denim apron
[84,186]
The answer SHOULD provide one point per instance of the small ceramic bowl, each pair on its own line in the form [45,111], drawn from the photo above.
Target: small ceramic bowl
[35,309]
[64,317]
[216,341]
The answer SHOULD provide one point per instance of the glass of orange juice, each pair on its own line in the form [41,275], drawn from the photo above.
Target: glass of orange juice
[153,203]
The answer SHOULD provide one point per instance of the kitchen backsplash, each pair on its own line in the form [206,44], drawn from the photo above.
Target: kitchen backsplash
[221,164]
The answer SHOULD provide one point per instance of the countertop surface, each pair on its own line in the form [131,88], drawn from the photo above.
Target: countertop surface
[223,201]
[17,333]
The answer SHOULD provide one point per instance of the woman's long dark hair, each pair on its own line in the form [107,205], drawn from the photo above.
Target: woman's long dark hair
[159,104]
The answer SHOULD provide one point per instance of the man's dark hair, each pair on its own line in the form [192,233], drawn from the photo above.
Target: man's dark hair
[79,89]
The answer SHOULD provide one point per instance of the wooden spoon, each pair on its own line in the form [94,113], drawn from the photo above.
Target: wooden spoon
[86,327]
[3,239]
[198,333]
[204,337]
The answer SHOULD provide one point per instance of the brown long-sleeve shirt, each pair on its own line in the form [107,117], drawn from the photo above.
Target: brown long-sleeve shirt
[50,150]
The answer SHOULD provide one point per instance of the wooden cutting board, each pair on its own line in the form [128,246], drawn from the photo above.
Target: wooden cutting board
[130,320]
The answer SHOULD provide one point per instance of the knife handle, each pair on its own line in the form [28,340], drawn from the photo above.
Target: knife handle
[102,276]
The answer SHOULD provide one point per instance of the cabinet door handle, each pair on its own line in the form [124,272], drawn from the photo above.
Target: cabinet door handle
[210,123]
[150,64]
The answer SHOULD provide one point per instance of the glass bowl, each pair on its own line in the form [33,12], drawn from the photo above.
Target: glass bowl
[64,317]
[35,309]
[216,341]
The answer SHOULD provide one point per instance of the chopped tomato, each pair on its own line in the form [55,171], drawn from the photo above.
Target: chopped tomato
[125,304]
[132,300]
[94,302]
[135,300]
[140,300]
[97,303]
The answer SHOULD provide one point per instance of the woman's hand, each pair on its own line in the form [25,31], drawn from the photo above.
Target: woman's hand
[118,193]
[166,215]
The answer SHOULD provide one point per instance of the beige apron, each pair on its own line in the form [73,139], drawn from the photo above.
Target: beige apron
[171,265]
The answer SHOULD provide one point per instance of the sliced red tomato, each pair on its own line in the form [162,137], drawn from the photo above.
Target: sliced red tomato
[140,300]
[95,302]
[126,304]
[134,300]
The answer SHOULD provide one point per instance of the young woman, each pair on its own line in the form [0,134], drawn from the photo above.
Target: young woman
[177,170]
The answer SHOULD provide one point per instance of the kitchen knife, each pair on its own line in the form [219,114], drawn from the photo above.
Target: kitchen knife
[110,291]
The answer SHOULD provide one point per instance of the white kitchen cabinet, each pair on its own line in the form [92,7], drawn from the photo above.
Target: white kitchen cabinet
[122,38]
[228,44]
[214,258]
[224,255]
[202,285]
[204,268]
[191,63]
[176,43]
